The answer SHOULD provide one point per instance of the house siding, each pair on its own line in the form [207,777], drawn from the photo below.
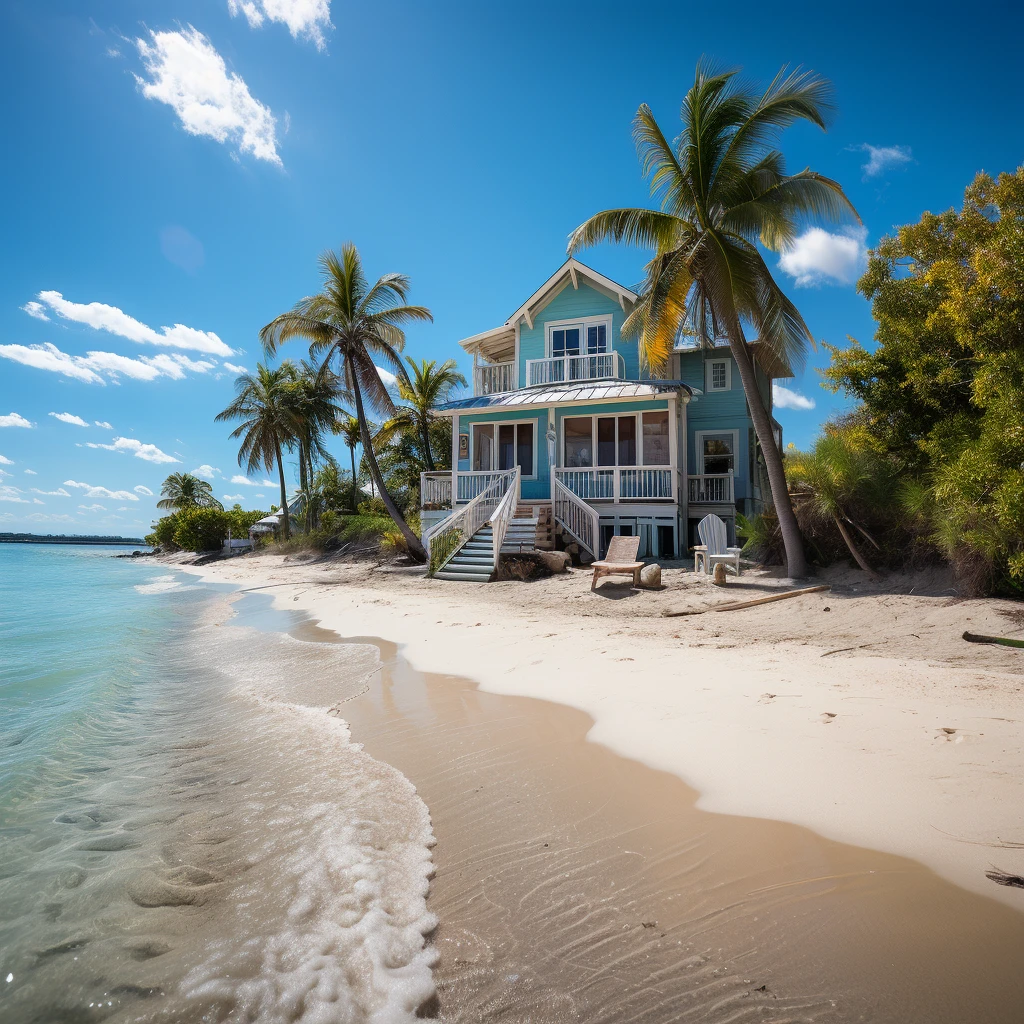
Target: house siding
[538,488]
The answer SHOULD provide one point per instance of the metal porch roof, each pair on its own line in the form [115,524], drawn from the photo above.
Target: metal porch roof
[574,391]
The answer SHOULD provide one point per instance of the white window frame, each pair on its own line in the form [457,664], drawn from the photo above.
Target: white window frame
[709,375]
[698,440]
[583,323]
[496,424]
[638,416]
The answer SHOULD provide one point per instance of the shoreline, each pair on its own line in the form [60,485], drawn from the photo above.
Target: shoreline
[860,752]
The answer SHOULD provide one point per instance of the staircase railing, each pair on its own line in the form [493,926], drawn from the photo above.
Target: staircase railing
[575,516]
[503,514]
[444,539]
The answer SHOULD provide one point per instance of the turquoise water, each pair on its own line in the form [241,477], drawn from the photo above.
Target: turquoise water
[185,833]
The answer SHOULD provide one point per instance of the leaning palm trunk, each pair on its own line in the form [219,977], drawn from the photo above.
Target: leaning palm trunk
[286,527]
[853,549]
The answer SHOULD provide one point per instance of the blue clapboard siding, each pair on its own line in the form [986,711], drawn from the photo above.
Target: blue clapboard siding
[570,304]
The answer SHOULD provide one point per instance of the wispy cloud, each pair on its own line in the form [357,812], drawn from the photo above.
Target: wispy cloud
[234,368]
[94,491]
[31,472]
[149,452]
[4,461]
[69,417]
[188,74]
[101,367]
[232,497]
[13,494]
[94,508]
[59,493]
[206,471]
[785,398]
[102,317]
[239,479]
[881,158]
[36,309]
[13,419]
[143,489]
[820,257]
[42,517]
[304,18]
[104,424]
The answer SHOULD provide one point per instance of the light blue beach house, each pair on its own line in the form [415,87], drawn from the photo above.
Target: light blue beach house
[566,441]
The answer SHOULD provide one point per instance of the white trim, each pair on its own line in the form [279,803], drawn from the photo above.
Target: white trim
[698,444]
[709,377]
[502,423]
[572,274]
[568,269]
[584,323]
[518,385]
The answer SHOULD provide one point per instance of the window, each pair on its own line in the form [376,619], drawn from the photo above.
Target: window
[588,337]
[565,341]
[579,445]
[511,446]
[597,339]
[718,375]
[718,453]
[655,434]
[616,441]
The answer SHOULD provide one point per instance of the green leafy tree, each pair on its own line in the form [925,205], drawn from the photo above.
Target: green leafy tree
[184,490]
[423,388]
[942,392]
[347,324]
[723,190]
[264,402]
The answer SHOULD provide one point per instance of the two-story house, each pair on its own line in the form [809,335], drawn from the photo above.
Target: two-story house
[561,411]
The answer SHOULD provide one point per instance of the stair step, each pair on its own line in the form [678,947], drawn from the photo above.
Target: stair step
[483,561]
[463,577]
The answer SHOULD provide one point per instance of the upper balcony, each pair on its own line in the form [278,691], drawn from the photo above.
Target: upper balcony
[494,378]
[564,369]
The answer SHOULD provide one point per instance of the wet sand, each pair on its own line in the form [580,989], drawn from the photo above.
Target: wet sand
[573,884]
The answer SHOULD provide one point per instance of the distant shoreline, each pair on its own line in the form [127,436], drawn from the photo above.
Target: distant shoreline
[31,538]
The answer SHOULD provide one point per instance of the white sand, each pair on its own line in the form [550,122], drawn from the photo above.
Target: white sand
[923,758]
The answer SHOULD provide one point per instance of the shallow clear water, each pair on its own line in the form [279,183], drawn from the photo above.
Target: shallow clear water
[186,830]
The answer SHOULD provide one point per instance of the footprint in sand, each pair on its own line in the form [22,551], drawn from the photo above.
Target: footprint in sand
[827,717]
[950,735]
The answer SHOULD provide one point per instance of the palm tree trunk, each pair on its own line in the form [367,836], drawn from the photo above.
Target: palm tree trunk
[858,557]
[428,455]
[352,455]
[415,547]
[304,481]
[796,562]
[286,528]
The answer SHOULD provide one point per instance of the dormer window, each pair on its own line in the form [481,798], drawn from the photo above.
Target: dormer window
[718,375]
[582,338]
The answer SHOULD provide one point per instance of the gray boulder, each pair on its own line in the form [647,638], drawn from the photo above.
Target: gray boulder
[650,576]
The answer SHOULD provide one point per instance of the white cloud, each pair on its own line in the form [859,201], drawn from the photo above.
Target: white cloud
[190,76]
[239,479]
[36,501]
[784,398]
[149,452]
[69,417]
[232,497]
[101,492]
[104,424]
[306,18]
[6,462]
[143,489]
[13,419]
[819,256]
[235,368]
[59,493]
[9,493]
[94,508]
[31,472]
[206,471]
[881,158]
[387,378]
[36,309]
[91,367]
[101,317]
[43,517]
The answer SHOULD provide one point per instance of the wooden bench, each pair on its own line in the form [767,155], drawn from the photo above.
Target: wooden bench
[620,560]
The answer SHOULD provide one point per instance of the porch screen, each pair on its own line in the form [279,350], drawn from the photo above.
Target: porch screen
[655,431]
[578,442]
[515,447]
[616,440]
[483,446]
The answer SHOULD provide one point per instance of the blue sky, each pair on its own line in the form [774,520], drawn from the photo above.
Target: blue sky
[148,240]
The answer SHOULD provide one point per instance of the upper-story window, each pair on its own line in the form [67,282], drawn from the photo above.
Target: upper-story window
[718,375]
[582,338]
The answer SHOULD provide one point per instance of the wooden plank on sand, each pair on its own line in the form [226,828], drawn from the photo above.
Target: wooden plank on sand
[736,605]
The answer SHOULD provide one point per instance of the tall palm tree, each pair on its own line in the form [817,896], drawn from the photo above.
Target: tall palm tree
[422,390]
[722,189]
[348,427]
[349,323]
[185,490]
[264,402]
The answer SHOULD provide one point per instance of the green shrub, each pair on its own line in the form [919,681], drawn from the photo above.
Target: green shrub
[201,529]
[163,533]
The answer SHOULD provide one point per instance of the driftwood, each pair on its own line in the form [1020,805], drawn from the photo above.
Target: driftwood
[1003,878]
[979,638]
[736,605]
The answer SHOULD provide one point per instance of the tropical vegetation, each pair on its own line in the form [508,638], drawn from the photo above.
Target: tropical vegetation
[724,195]
[185,490]
[201,528]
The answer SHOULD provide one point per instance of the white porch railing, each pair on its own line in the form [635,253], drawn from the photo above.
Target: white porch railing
[568,368]
[494,378]
[620,483]
[471,484]
[436,490]
[575,516]
[443,540]
[710,488]
[503,514]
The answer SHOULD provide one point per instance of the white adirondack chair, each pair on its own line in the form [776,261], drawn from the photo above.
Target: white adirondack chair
[715,547]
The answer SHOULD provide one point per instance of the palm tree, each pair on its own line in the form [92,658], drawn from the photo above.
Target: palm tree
[185,490]
[428,386]
[348,427]
[264,402]
[350,322]
[722,190]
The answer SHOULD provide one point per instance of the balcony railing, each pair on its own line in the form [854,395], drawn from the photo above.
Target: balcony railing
[563,369]
[494,378]
[620,483]
[710,488]
[436,490]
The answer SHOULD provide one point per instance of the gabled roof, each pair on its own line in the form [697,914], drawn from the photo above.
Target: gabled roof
[574,391]
[499,340]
